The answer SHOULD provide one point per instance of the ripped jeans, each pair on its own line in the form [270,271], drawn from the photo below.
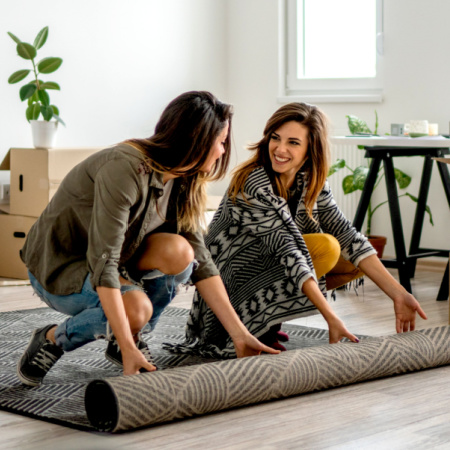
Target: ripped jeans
[88,321]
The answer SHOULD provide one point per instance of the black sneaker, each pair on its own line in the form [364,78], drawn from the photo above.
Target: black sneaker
[38,358]
[114,355]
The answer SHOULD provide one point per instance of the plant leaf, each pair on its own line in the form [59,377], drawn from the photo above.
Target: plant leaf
[360,176]
[403,180]
[59,119]
[44,97]
[41,38]
[26,51]
[338,165]
[47,112]
[49,65]
[33,98]
[427,208]
[50,85]
[347,185]
[18,76]
[14,38]
[27,91]
[33,111]
[29,112]
[356,125]
[55,110]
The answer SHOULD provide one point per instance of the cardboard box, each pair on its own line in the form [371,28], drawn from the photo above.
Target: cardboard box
[13,231]
[36,175]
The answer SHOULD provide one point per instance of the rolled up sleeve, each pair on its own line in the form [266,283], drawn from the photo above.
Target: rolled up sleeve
[206,267]
[116,190]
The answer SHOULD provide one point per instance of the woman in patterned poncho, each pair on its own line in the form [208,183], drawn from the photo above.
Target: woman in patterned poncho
[278,232]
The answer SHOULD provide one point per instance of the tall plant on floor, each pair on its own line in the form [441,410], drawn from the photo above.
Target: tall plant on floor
[356,179]
[36,90]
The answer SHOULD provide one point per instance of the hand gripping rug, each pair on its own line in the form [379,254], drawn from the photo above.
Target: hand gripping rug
[85,391]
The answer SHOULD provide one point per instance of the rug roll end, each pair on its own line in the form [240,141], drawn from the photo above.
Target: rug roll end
[101,405]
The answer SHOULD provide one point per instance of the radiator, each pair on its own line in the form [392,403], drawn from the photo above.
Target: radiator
[353,157]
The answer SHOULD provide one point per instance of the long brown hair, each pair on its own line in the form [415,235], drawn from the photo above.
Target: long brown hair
[182,143]
[316,165]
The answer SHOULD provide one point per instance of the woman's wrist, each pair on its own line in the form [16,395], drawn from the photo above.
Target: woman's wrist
[238,331]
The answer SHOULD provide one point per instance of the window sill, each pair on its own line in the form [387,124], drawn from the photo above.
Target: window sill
[374,96]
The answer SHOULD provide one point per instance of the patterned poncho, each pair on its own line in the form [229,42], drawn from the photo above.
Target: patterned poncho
[259,250]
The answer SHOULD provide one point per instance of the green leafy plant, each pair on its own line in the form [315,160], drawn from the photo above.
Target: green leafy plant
[356,179]
[35,91]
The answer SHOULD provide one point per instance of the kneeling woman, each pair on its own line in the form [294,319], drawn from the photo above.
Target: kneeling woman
[280,241]
[122,231]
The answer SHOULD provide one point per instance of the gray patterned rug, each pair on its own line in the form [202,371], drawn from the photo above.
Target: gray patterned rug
[60,399]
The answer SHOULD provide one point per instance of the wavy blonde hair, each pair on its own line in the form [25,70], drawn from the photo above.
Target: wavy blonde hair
[182,143]
[316,166]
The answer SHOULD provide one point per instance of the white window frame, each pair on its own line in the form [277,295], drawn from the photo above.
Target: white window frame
[338,90]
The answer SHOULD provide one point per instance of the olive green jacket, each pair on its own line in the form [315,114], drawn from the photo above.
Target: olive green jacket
[96,221]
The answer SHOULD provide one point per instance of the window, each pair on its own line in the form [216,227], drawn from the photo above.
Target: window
[333,50]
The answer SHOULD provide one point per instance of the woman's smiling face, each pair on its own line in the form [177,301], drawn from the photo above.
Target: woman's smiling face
[288,150]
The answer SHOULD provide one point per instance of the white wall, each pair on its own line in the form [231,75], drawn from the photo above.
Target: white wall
[416,86]
[123,62]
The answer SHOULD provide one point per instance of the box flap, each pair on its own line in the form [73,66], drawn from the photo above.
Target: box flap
[6,163]
[5,208]
[62,160]
[213,202]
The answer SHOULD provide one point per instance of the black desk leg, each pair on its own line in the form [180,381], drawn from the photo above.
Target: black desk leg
[364,200]
[396,221]
[443,290]
[445,177]
[420,211]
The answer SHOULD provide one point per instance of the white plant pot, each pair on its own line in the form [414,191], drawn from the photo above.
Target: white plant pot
[44,133]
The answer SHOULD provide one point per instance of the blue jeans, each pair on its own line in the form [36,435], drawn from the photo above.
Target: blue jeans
[88,320]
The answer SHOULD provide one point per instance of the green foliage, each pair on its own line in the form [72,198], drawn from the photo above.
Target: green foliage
[35,91]
[357,178]
[356,125]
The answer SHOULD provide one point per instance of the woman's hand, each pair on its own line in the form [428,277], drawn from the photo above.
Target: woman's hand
[405,305]
[336,327]
[216,297]
[337,331]
[133,361]
[248,345]
[405,308]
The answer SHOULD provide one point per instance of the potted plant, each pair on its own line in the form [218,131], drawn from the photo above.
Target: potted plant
[356,179]
[36,90]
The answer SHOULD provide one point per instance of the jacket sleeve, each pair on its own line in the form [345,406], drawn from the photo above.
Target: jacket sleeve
[268,218]
[116,190]
[354,245]
[206,267]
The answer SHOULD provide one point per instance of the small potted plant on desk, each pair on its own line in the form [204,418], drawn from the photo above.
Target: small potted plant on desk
[35,91]
[356,179]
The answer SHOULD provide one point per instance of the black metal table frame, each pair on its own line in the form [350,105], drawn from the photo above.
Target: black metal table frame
[405,263]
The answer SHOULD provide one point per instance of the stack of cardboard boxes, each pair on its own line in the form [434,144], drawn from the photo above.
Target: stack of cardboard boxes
[35,177]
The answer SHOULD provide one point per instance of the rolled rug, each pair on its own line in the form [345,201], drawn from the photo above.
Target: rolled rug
[124,403]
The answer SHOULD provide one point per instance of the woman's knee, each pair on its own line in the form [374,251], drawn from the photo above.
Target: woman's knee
[169,253]
[323,245]
[332,245]
[324,250]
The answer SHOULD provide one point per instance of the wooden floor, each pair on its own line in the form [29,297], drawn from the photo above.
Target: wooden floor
[403,412]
